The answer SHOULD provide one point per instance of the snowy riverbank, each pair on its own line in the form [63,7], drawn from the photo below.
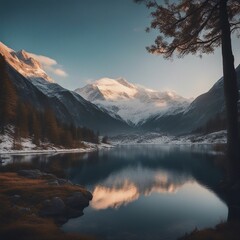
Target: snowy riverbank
[27,147]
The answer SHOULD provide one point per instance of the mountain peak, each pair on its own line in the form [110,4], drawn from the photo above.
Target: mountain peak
[103,81]
[28,59]
[3,47]
[115,90]
[130,102]
[124,82]
[24,63]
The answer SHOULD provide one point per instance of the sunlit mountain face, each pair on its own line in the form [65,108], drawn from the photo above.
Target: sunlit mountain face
[126,186]
[25,63]
[132,103]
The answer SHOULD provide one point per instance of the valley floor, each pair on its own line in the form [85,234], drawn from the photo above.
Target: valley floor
[159,138]
[7,142]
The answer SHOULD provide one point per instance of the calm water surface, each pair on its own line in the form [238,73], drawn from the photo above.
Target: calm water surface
[145,191]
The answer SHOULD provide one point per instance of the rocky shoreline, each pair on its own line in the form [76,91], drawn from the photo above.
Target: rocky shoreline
[32,201]
[60,209]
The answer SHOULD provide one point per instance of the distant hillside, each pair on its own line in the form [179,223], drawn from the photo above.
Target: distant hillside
[198,114]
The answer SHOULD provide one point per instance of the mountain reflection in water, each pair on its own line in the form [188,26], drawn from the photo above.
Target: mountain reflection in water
[126,186]
[142,192]
[149,192]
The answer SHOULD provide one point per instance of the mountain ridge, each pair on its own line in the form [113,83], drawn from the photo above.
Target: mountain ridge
[113,105]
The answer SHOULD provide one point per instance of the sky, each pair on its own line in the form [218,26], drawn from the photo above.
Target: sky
[79,41]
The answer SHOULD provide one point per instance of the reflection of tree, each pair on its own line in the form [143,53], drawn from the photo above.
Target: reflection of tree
[229,189]
[56,164]
[230,193]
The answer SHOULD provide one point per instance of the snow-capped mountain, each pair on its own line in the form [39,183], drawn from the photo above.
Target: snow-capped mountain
[35,87]
[24,63]
[130,102]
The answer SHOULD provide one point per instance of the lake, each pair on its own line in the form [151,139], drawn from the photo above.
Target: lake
[143,191]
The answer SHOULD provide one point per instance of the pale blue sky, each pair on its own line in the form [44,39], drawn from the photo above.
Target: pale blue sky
[91,39]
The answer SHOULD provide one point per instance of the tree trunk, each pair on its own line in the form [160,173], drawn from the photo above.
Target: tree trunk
[230,86]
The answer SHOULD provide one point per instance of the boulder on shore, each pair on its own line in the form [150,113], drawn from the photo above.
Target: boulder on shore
[60,209]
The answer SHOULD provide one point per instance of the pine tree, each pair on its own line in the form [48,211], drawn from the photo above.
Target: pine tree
[67,139]
[191,27]
[21,122]
[36,126]
[51,126]
[8,97]
[105,139]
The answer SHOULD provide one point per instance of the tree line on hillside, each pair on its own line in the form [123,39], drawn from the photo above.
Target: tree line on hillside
[40,126]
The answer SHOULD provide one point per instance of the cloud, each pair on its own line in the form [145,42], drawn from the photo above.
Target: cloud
[50,65]
[43,59]
[60,72]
